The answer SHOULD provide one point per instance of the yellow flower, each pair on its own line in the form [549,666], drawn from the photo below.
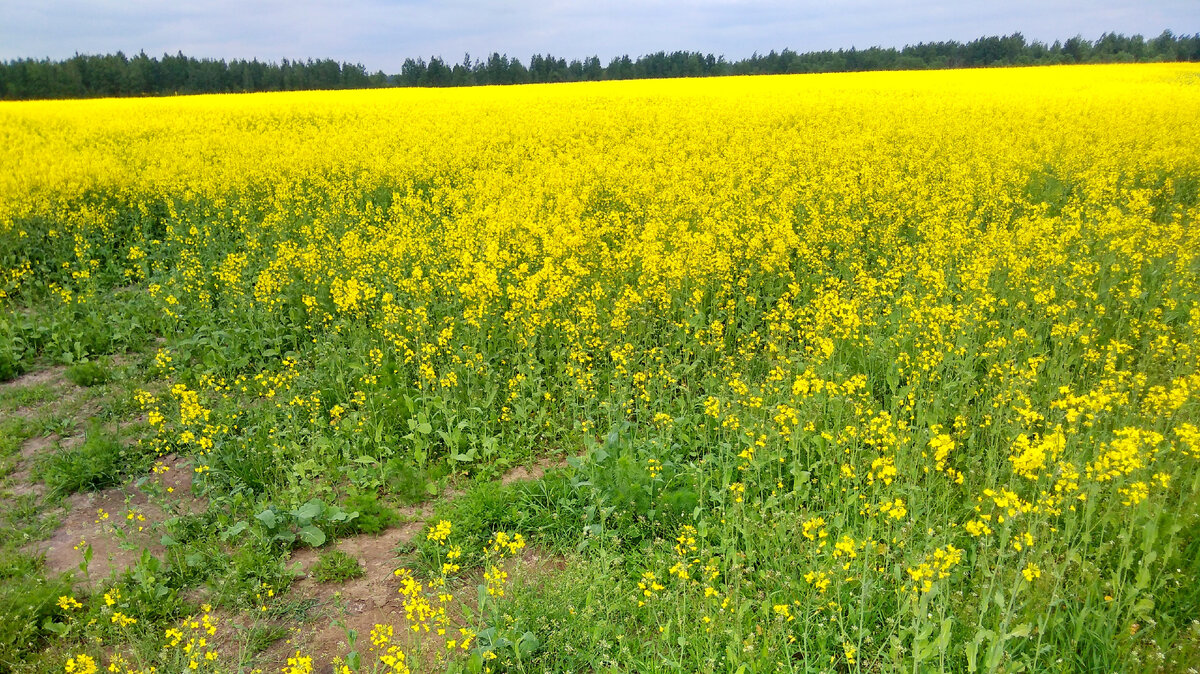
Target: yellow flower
[80,664]
[439,533]
[68,603]
[1031,571]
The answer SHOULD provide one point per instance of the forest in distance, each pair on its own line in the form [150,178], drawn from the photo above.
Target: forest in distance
[112,75]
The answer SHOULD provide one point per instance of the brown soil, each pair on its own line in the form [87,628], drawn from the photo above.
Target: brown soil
[363,603]
[50,375]
[359,604]
[372,599]
[117,541]
[533,471]
[21,479]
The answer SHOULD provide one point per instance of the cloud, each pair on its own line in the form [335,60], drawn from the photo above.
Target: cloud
[382,33]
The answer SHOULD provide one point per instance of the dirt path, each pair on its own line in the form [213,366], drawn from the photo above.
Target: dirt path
[121,524]
[118,523]
[373,599]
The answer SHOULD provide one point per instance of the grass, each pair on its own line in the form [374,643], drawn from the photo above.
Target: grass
[260,637]
[374,516]
[14,431]
[89,373]
[101,461]
[335,566]
[28,600]
[17,397]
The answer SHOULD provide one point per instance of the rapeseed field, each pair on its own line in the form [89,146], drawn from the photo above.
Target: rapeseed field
[851,372]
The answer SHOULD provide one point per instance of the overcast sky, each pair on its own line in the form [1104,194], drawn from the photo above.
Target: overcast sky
[380,34]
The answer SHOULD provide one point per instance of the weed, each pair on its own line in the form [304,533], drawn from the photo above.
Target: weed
[335,566]
[89,373]
[99,462]
[260,637]
[26,396]
[28,601]
[373,515]
[412,483]
[14,431]
[24,519]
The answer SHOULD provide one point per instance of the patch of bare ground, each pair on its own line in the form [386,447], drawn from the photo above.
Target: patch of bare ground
[20,481]
[53,379]
[118,523]
[54,376]
[373,599]
[360,603]
[533,471]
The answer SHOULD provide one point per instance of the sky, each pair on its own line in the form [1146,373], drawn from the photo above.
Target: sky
[380,34]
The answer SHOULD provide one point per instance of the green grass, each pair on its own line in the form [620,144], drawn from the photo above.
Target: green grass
[89,373]
[373,515]
[335,566]
[14,431]
[101,461]
[28,600]
[17,397]
[260,637]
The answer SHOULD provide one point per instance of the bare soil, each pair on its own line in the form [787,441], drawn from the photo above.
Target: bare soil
[118,540]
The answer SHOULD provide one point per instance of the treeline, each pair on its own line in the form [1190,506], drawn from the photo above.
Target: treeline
[983,52]
[83,76]
[116,75]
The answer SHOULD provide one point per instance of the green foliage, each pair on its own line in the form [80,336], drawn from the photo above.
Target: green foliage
[307,524]
[99,462]
[147,591]
[89,373]
[27,601]
[549,510]
[13,433]
[11,366]
[411,483]
[24,519]
[630,496]
[373,515]
[24,396]
[251,573]
[260,637]
[13,349]
[335,566]
[117,75]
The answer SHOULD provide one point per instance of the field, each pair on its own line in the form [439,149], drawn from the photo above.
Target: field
[831,373]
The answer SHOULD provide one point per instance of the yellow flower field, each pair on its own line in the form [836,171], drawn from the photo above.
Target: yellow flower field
[855,372]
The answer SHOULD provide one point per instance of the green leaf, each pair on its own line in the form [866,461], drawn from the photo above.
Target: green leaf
[528,644]
[973,647]
[943,641]
[312,536]
[307,512]
[268,518]
[1020,631]
[1143,607]
[233,531]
